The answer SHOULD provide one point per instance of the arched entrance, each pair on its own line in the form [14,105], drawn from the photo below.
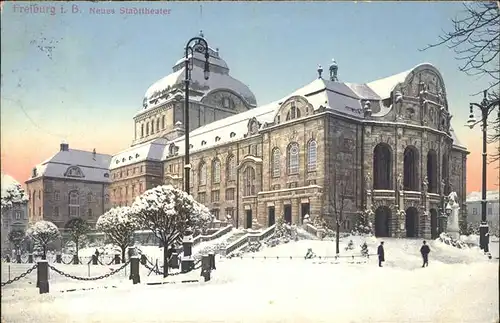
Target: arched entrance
[434,223]
[383,222]
[411,222]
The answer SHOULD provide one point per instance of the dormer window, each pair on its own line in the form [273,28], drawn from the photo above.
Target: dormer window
[74,171]
[217,138]
[232,134]
[294,113]
[106,175]
[117,161]
[191,146]
[34,173]
[129,157]
[123,159]
[136,155]
[203,142]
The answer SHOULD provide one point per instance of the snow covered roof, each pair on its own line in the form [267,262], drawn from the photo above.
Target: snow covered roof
[6,182]
[92,167]
[152,150]
[163,90]
[477,196]
[456,141]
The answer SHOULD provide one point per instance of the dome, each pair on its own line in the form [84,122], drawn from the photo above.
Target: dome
[167,87]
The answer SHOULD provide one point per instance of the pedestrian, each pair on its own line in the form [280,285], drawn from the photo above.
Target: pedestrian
[97,253]
[425,250]
[380,253]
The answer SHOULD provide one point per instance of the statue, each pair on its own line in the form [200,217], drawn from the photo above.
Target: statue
[452,205]
[443,185]
[400,182]
[368,181]
[425,185]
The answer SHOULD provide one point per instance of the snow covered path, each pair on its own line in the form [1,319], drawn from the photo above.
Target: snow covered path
[458,286]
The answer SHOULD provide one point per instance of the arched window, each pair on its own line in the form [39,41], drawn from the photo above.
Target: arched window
[142,130]
[157,125]
[163,122]
[432,171]
[382,167]
[410,176]
[312,155]
[202,179]
[89,198]
[294,113]
[276,162]
[249,182]
[89,212]
[152,126]
[445,173]
[74,205]
[293,158]
[216,171]
[147,129]
[231,168]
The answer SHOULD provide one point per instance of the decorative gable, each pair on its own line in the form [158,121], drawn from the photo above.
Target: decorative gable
[74,171]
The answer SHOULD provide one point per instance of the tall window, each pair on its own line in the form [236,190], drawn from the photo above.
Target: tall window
[249,180]
[17,215]
[57,195]
[152,126]
[74,206]
[215,196]
[89,198]
[202,180]
[216,213]
[293,158]
[276,162]
[202,196]
[163,122]
[142,130]
[294,113]
[147,129]
[56,211]
[312,155]
[230,194]
[231,168]
[157,125]
[89,212]
[215,171]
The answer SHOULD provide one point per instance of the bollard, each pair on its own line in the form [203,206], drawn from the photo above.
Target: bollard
[174,261]
[58,258]
[42,280]
[30,259]
[211,256]
[75,260]
[94,259]
[9,272]
[7,259]
[187,264]
[18,259]
[143,259]
[134,270]
[205,267]
[117,259]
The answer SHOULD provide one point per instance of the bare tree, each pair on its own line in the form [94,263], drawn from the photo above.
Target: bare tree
[475,39]
[337,203]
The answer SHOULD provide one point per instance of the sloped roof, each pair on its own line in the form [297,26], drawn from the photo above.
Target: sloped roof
[93,166]
[456,141]
[477,196]
[152,150]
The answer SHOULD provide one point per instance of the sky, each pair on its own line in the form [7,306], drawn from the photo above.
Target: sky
[80,76]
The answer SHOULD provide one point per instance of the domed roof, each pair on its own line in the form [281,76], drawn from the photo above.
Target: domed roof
[219,79]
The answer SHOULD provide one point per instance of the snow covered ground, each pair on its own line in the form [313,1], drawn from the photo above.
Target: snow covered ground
[458,286]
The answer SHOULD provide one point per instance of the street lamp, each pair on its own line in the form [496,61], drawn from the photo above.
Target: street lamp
[200,45]
[486,106]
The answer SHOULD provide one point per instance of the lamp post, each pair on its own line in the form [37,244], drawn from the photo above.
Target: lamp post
[486,106]
[200,45]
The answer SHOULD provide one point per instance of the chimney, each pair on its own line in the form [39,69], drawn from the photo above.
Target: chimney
[64,146]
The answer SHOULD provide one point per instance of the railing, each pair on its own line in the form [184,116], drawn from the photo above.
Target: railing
[247,238]
[219,233]
[311,229]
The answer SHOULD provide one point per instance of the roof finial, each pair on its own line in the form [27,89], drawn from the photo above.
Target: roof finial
[320,70]
[201,34]
[333,70]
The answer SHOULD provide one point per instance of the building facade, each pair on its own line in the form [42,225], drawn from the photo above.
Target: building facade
[14,217]
[492,208]
[72,183]
[330,148]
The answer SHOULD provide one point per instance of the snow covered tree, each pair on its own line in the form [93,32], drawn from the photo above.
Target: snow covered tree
[14,195]
[42,233]
[169,212]
[363,225]
[119,225]
[364,249]
[16,237]
[77,229]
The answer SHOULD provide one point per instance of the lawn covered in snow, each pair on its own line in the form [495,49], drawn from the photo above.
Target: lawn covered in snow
[458,286]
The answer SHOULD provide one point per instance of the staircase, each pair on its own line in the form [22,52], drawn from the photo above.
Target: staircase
[235,237]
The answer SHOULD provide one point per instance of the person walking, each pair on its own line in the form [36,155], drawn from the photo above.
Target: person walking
[425,250]
[380,253]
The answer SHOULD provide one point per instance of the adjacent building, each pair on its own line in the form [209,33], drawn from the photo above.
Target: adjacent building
[14,209]
[327,148]
[492,207]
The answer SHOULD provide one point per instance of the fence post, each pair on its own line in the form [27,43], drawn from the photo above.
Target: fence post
[187,261]
[205,267]
[75,260]
[42,279]
[7,259]
[18,258]
[117,259]
[30,258]
[58,258]
[94,259]
[134,270]
[9,272]
[211,256]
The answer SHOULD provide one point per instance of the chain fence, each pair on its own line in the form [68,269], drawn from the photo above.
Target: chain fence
[158,272]
[314,257]
[60,272]
[27,272]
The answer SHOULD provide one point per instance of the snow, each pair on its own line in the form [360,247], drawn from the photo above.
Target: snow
[94,167]
[43,232]
[7,181]
[458,286]
[152,150]
[14,194]
[477,196]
